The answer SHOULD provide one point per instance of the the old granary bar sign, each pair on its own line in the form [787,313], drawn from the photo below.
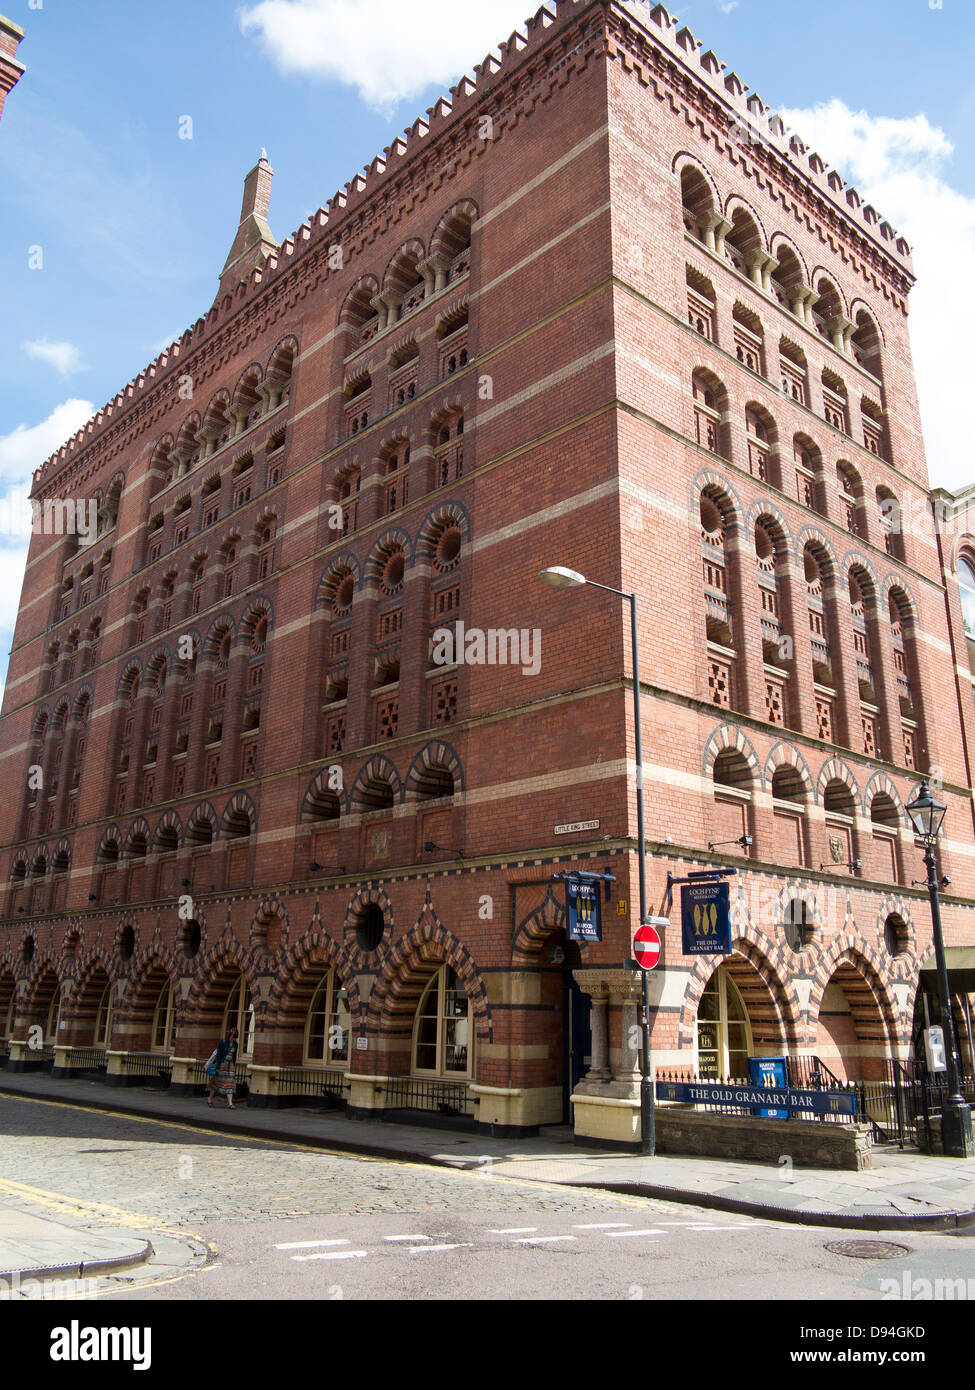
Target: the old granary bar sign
[706,927]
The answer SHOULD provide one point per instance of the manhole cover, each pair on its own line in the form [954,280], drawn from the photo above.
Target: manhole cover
[867,1249]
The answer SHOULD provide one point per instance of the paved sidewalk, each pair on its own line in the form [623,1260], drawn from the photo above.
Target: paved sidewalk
[36,1247]
[903,1190]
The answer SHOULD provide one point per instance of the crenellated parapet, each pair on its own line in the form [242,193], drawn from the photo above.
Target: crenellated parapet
[527,68]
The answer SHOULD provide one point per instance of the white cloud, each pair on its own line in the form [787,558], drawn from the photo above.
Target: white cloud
[386,50]
[900,166]
[21,451]
[27,446]
[65,358]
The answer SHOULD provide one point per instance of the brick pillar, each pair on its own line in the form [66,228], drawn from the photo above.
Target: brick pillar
[167,733]
[233,714]
[794,616]
[746,625]
[360,705]
[199,718]
[413,649]
[843,662]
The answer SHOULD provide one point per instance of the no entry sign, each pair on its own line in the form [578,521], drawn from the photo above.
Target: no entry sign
[646,947]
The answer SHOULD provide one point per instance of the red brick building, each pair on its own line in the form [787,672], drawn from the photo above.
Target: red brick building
[599,310]
[11,70]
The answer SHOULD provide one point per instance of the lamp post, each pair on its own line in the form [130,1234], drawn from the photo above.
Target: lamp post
[565,578]
[926,815]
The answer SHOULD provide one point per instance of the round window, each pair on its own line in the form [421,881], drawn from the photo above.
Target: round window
[370,927]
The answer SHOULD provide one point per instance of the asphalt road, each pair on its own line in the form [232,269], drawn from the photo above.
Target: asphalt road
[285,1222]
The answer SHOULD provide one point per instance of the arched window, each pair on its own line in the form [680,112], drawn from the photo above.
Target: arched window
[239,1014]
[724,1035]
[697,203]
[743,245]
[788,816]
[793,372]
[761,437]
[710,405]
[749,339]
[164,1020]
[103,1018]
[733,808]
[443,1037]
[966,585]
[701,311]
[889,515]
[718,603]
[819,634]
[327,1028]
[841,837]
[834,402]
[53,1021]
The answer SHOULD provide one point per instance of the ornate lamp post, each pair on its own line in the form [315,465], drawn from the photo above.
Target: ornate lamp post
[926,815]
[565,578]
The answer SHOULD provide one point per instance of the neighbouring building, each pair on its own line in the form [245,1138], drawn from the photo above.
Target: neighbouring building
[599,309]
[11,70]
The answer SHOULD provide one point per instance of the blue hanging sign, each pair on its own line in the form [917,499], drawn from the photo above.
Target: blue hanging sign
[769,1072]
[705,921]
[582,901]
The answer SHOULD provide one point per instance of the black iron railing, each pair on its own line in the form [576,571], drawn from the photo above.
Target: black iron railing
[803,1074]
[312,1086]
[448,1098]
[152,1066]
[87,1059]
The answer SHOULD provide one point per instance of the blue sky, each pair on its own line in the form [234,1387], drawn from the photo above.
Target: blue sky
[135,222]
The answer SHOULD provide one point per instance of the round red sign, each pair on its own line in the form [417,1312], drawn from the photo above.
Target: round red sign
[646,947]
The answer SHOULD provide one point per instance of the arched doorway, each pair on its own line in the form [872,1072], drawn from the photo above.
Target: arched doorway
[851,1038]
[724,1040]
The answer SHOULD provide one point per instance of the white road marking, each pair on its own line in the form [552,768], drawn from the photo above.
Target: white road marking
[308,1244]
[512,1231]
[334,1255]
[623,1234]
[425,1249]
[603,1226]
[406,1237]
[542,1240]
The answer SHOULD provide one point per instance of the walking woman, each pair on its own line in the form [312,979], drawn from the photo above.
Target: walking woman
[220,1069]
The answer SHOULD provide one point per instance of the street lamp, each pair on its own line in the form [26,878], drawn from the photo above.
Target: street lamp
[926,815]
[562,578]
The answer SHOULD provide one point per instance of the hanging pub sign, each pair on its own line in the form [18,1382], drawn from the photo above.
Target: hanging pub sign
[582,901]
[705,922]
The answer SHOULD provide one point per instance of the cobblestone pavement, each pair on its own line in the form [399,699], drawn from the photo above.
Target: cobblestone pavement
[180,1175]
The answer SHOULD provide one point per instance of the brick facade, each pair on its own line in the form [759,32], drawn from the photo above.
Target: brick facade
[11,69]
[584,315]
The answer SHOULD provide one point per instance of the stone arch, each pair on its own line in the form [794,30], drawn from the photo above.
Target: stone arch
[203,811]
[449,513]
[283,357]
[433,755]
[764,507]
[155,968]
[708,481]
[377,770]
[259,608]
[753,957]
[402,264]
[730,738]
[855,559]
[880,782]
[406,971]
[240,804]
[346,562]
[861,975]
[533,931]
[892,582]
[735,203]
[299,975]
[860,306]
[812,535]
[785,754]
[110,835]
[140,826]
[215,977]
[359,298]
[43,978]
[779,239]
[319,795]
[217,631]
[132,673]
[393,538]
[449,237]
[819,275]
[169,821]
[835,769]
[686,163]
